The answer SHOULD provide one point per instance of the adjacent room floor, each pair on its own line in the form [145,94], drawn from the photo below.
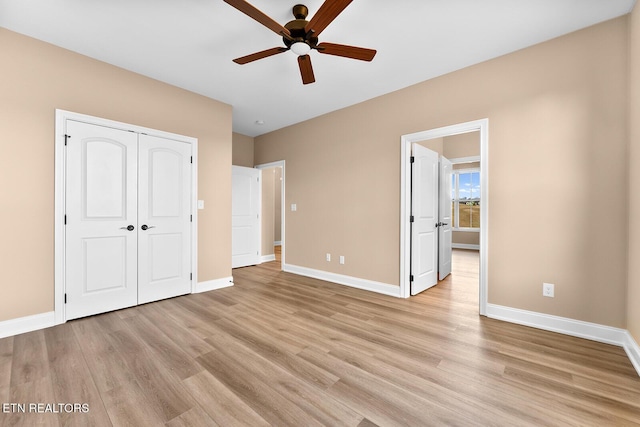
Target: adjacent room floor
[280,349]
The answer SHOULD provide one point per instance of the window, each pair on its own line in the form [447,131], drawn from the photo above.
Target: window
[465,199]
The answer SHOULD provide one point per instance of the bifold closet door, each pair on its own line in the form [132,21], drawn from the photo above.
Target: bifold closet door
[128,219]
[164,216]
[101,219]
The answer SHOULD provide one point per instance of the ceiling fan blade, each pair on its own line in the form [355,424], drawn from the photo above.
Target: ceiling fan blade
[259,16]
[353,52]
[329,10]
[306,70]
[259,55]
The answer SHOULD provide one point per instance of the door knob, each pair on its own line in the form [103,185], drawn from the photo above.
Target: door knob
[146,227]
[129,227]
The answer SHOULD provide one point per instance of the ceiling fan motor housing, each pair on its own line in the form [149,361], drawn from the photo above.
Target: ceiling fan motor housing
[300,11]
[296,28]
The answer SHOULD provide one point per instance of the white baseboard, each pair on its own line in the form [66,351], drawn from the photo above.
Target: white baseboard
[633,351]
[354,282]
[277,243]
[563,325]
[21,325]
[576,328]
[267,258]
[25,324]
[465,246]
[211,285]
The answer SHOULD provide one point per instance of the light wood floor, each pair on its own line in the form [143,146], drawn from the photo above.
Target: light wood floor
[279,349]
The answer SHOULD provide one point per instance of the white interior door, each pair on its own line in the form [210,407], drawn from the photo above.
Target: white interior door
[424,206]
[445,234]
[245,217]
[164,218]
[101,219]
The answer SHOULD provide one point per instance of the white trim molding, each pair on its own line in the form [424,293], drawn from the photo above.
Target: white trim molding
[633,351]
[465,246]
[25,324]
[562,325]
[341,279]
[482,126]
[267,258]
[212,285]
[572,327]
[460,160]
[280,164]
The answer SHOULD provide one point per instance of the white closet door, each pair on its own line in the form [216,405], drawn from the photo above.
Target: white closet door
[245,216]
[101,219]
[164,245]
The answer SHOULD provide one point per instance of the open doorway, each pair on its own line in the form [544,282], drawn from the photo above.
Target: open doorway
[273,218]
[436,137]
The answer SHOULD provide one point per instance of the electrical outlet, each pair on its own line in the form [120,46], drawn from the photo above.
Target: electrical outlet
[548,290]
[341,259]
[328,257]
[294,207]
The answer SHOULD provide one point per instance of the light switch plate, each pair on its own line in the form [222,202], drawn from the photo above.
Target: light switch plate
[200,204]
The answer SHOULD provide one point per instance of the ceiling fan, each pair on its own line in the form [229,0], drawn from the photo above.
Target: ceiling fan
[301,36]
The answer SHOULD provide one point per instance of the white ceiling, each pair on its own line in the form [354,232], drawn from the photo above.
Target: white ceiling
[190,44]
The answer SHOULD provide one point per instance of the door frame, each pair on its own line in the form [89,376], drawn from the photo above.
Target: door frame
[61,117]
[280,163]
[482,126]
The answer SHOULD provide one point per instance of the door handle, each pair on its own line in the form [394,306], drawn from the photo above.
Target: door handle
[146,227]
[128,227]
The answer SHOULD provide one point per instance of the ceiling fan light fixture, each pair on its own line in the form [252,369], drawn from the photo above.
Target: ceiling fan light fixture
[301,36]
[300,48]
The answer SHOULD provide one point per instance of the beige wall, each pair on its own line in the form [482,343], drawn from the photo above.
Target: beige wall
[434,144]
[455,146]
[462,145]
[242,150]
[557,138]
[36,79]
[633,292]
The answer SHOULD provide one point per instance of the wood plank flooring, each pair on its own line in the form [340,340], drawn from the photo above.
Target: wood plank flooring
[279,349]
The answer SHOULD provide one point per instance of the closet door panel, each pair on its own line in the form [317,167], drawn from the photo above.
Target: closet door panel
[101,214]
[164,214]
